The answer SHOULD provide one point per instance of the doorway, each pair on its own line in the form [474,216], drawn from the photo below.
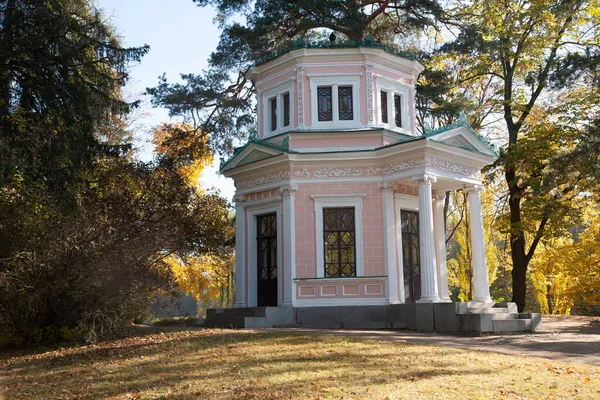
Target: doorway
[411,255]
[266,265]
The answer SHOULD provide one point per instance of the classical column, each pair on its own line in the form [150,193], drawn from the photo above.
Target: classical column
[289,244]
[440,246]
[429,287]
[478,262]
[240,252]
[389,234]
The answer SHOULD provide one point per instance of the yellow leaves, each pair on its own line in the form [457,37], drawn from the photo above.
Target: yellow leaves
[187,148]
[201,276]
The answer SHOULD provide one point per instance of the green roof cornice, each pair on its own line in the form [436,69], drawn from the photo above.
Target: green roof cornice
[462,123]
[253,139]
[368,41]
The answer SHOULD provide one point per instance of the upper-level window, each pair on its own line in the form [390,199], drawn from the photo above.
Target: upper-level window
[277,114]
[334,100]
[286,109]
[398,109]
[392,105]
[273,105]
[325,104]
[384,106]
[345,103]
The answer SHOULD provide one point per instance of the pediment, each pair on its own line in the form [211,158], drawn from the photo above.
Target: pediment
[251,153]
[463,138]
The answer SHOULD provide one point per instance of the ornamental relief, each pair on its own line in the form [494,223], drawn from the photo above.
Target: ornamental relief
[358,171]
[262,180]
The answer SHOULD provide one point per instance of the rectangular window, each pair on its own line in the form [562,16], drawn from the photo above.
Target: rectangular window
[384,115]
[345,103]
[398,110]
[339,241]
[324,103]
[286,109]
[273,104]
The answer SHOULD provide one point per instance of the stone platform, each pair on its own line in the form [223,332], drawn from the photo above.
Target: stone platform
[425,317]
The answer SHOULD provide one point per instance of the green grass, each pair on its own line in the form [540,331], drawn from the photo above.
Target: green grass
[225,364]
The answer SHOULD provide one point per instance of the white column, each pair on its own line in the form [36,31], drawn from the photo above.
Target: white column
[478,262]
[429,287]
[440,246]
[240,252]
[289,244]
[389,234]
[399,254]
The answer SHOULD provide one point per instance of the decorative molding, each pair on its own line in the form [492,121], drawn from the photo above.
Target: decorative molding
[387,186]
[405,165]
[238,200]
[369,76]
[474,189]
[288,190]
[425,179]
[259,202]
[264,179]
[300,90]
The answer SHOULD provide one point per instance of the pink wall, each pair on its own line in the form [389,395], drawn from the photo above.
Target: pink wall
[341,288]
[372,217]
[322,142]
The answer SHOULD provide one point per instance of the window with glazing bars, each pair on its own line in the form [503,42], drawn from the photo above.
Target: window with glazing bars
[340,242]
[286,109]
[273,103]
[398,109]
[345,103]
[324,103]
[384,114]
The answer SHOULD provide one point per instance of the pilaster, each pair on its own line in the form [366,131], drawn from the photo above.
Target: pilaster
[429,286]
[440,246]
[240,252]
[389,233]
[478,261]
[289,244]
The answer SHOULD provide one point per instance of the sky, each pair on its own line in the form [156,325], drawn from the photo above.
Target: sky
[181,37]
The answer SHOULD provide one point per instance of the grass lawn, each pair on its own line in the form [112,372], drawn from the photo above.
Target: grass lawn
[225,364]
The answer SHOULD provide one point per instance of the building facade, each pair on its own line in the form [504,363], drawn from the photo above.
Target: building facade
[339,201]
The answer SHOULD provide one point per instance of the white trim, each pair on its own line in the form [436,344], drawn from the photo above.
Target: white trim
[348,200]
[251,213]
[406,202]
[379,285]
[328,74]
[343,301]
[289,244]
[277,93]
[330,149]
[389,235]
[240,251]
[329,295]
[410,203]
[392,87]
[314,288]
[334,81]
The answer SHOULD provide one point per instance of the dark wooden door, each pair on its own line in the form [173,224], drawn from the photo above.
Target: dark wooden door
[411,255]
[266,246]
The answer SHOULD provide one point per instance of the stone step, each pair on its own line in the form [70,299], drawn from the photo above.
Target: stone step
[487,310]
[505,316]
[511,325]
[236,312]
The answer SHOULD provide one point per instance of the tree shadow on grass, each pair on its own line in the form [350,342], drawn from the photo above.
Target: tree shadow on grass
[215,363]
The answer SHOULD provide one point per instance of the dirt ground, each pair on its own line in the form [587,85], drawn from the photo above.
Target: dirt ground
[566,338]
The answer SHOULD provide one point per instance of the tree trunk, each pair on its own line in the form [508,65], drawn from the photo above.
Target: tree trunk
[517,242]
[6,45]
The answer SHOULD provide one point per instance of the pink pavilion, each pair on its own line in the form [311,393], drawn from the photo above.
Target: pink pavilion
[339,200]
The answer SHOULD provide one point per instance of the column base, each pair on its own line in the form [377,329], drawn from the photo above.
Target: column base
[287,304]
[432,299]
[485,302]
[445,300]
[239,305]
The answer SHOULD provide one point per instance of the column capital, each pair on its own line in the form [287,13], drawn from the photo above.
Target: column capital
[238,199]
[288,190]
[387,186]
[425,179]
[474,189]
[439,195]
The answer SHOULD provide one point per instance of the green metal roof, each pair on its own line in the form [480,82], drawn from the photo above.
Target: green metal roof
[462,123]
